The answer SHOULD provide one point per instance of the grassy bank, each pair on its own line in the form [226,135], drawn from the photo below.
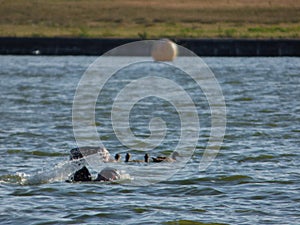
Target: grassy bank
[151,19]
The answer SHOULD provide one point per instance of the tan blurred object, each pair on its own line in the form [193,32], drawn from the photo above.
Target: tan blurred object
[164,50]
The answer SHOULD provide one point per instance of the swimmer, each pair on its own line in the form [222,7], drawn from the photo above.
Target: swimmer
[83,174]
[78,153]
[108,174]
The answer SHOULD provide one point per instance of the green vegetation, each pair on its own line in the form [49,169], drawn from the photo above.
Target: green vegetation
[150,19]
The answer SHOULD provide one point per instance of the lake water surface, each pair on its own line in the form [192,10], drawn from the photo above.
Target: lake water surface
[255,178]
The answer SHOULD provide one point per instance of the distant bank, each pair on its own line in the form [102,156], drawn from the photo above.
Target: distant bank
[96,47]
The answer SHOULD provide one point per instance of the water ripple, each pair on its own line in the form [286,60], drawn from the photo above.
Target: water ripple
[253,180]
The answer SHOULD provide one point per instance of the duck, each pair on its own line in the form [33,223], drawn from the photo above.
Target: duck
[117,157]
[166,159]
[128,155]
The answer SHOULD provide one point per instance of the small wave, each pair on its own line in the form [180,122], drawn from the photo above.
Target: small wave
[271,125]
[192,190]
[11,178]
[260,134]
[27,135]
[259,158]
[35,153]
[190,181]
[243,99]
[190,222]
[236,179]
[251,212]
[285,182]
[234,82]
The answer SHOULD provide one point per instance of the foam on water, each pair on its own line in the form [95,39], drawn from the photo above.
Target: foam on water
[140,174]
[60,173]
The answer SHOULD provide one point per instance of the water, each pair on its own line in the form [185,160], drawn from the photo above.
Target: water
[255,178]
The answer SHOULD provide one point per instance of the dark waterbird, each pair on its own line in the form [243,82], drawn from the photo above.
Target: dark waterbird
[128,156]
[117,157]
[166,159]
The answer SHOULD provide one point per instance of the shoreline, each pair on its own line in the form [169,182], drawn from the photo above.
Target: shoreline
[98,46]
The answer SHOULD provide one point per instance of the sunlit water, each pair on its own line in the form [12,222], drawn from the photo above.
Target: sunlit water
[255,178]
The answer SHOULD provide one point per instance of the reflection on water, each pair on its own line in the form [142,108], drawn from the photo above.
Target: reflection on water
[254,179]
